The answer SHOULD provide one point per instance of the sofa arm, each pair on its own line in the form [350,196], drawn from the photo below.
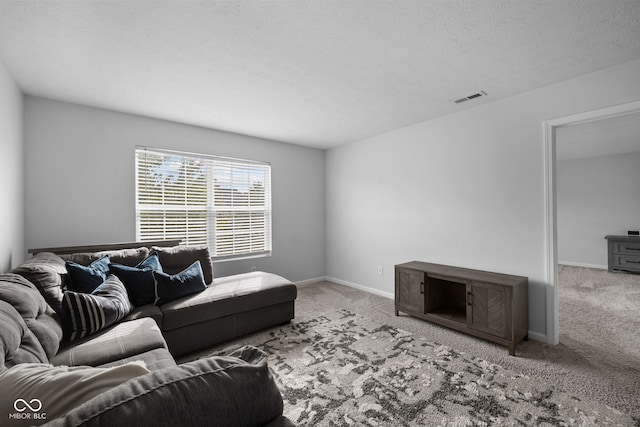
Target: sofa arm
[234,390]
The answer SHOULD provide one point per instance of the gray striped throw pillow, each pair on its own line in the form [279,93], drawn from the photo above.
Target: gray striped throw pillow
[85,314]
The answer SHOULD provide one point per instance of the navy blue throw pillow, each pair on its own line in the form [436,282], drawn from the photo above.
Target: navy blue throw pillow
[85,314]
[139,279]
[170,287]
[87,279]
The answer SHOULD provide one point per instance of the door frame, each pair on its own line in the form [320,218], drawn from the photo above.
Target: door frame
[551,236]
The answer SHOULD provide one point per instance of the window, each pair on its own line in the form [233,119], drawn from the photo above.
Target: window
[223,203]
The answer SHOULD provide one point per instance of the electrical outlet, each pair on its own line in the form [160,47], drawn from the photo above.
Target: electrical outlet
[253,268]
[380,270]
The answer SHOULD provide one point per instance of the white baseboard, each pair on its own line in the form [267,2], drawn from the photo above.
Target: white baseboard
[309,281]
[389,295]
[536,336]
[582,264]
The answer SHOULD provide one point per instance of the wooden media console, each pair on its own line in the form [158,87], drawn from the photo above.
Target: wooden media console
[487,305]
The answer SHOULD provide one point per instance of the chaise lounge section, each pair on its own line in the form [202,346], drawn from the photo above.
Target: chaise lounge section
[230,307]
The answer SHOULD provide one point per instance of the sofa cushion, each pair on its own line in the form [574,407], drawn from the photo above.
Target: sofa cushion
[171,287]
[139,279]
[30,324]
[149,310]
[125,339]
[55,391]
[86,278]
[158,358]
[46,270]
[228,295]
[234,390]
[177,258]
[17,343]
[85,314]
[121,256]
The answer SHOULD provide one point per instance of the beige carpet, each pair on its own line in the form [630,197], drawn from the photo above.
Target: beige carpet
[600,333]
[600,316]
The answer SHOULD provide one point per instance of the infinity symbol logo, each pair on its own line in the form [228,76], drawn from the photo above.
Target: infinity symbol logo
[37,405]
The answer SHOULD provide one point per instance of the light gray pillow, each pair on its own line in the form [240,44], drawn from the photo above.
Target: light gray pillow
[41,392]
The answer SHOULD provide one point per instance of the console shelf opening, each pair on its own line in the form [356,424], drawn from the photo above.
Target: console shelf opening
[447,299]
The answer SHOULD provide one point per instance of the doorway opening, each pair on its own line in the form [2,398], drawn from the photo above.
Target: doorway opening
[551,129]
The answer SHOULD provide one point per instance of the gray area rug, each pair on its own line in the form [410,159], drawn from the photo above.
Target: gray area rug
[341,368]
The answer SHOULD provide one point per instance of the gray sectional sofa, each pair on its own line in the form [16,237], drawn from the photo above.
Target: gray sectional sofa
[133,376]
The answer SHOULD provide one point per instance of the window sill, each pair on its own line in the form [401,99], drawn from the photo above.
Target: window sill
[240,257]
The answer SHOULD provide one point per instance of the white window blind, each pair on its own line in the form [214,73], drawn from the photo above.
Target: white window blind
[223,203]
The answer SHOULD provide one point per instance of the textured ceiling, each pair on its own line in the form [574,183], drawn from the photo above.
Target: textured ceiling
[317,73]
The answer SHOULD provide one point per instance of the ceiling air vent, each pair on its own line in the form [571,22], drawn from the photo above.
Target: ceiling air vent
[470,97]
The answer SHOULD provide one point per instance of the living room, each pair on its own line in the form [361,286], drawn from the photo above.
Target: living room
[465,187]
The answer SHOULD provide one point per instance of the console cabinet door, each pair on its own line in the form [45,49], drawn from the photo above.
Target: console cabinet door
[489,308]
[410,290]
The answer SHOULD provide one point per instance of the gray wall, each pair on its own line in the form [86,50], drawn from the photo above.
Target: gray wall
[80,182]
[595,197]
[466,189]
[11,173]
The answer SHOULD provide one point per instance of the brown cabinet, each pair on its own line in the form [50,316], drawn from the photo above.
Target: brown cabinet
[410,291]
[488,305]
[489,309]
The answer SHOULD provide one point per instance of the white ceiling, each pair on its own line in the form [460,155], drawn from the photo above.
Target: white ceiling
[309,72]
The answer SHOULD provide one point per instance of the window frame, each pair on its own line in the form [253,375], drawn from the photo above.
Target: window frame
[213,212]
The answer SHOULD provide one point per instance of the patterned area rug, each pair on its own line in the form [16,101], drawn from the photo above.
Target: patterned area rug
[340,370]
